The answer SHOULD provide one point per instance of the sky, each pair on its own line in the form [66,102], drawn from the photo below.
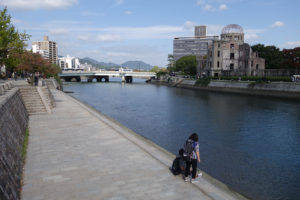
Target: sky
[122,30]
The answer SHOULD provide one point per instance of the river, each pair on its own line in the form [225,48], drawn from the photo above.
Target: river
[250,143]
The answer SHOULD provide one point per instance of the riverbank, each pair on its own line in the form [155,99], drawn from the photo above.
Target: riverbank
[288,90]
[90,156]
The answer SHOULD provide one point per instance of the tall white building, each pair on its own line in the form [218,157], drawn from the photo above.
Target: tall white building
[69,63]
[48,49]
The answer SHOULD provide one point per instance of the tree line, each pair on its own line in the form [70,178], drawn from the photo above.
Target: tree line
[13,53]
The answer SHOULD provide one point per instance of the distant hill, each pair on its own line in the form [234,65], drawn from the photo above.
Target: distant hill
[97,64]
[139,65]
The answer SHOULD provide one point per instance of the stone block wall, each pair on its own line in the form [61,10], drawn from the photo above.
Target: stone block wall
[13,124]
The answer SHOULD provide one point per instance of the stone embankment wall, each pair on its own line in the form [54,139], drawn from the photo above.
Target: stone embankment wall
[274,89]
[13,124]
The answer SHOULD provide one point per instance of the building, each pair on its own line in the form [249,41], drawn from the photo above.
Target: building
[225,56]
[200,46]
[48,49]
[44,53]
[232,57]
[69,63]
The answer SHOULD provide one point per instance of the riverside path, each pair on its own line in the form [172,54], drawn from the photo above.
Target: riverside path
[78,153]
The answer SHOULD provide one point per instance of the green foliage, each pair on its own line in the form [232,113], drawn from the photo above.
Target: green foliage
[187,64]
[272,55]
[203,81]
[171,65]
[11,41]
[57,78]
[161,73]
[257,79]
[155,69]
[25,144]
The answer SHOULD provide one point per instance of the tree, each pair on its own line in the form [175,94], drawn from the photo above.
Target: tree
[292,58]
[272,55]
[11,42]
[155,69]
[171,63]
[34,62]
[187,64]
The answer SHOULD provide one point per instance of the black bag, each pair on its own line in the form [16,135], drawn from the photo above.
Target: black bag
[188,150]
[176,166]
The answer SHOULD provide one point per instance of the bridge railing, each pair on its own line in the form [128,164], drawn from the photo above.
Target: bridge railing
[106,73]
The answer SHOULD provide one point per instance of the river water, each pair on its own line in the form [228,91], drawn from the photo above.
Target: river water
[250,143]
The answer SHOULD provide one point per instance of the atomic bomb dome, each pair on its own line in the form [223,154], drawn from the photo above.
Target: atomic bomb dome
[233,32]
[232,28]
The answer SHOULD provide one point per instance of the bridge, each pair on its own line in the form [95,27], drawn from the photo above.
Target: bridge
[125,74]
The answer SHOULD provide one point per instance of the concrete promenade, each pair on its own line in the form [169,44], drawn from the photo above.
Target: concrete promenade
[77,153]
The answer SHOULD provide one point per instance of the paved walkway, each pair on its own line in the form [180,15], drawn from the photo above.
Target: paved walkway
[77,153]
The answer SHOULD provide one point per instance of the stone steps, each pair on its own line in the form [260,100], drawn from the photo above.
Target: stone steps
[33,101]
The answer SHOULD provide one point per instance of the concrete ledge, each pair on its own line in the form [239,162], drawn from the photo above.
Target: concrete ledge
[279,90]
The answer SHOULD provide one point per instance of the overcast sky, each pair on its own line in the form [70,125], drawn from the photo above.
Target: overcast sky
[121,30]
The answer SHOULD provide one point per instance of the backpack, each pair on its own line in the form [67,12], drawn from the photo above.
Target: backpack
[188,149]
[176,166]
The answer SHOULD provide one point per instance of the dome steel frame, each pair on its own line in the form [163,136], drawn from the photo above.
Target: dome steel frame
[232,28]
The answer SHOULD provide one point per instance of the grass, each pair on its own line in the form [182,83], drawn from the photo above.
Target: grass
[203,82]
[25,144]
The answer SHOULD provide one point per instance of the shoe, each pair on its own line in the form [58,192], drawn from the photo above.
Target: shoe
[186,178]
[194,180]
[200,174]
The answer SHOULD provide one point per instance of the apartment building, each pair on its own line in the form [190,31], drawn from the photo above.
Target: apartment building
[48,49]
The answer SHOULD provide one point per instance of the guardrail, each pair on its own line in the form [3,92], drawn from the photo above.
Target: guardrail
[106,73]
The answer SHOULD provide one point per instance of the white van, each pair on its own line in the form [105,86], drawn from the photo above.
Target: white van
[296,78]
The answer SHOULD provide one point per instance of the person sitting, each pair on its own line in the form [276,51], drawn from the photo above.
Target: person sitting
[178,165]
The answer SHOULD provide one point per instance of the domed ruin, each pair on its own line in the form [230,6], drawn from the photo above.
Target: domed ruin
[233,32]
[232,28]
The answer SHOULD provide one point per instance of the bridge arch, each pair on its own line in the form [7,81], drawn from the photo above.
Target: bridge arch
[102,78]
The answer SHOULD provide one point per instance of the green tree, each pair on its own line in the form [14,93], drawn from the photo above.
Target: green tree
[155,69]
[171,63]
[272,55]
[11,42]
[187,64]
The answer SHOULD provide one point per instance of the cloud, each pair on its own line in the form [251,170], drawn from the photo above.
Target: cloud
[188,25]
[214,5]
[223,7]
[291,44]
[214,29]
[16,21]
[108,38]
[128,12]
[118,54]
[83,37]
[277,24]
[58,31]
[119,2]
[23,5]
[252,35]
[200,2]
[208,7]
[92,14]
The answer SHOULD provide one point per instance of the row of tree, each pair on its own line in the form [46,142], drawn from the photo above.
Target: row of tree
[278,59]
[186,65]
[13,54]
